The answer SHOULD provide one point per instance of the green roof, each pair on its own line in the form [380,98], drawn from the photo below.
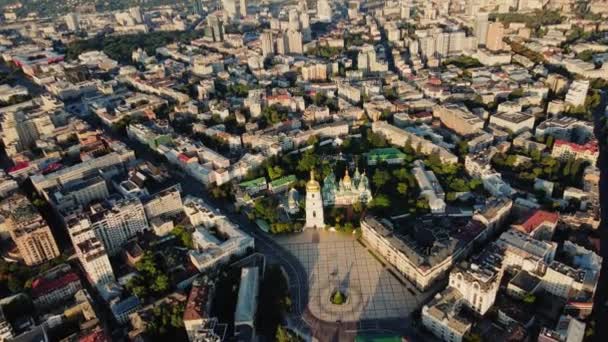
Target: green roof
[378,338]
[253,183]
[283,181]
[385,153]
[263,225]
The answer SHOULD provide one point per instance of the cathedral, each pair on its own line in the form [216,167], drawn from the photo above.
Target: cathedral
[348,191]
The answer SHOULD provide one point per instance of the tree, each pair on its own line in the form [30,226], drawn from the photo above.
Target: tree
[274,172]
[309,161]
[285,335]
[380,178]
[380,201]
[402,188]
[184,236]
[376,140]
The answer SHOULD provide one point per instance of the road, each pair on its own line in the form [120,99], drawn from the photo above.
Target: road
[264,244]
[601,293]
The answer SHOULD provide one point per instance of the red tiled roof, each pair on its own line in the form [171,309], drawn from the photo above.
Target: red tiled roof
[591,146]
[184,158]
[19,166]
[538,218]
[95,336]
[42,286]
[197,301]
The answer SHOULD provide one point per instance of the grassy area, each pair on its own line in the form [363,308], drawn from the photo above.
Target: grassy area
[120,48]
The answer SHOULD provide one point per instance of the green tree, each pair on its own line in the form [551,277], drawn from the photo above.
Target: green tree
[183,235]
[285,335]
[309,161]
[380,178]
[380,201]
[274,172]
[402,188]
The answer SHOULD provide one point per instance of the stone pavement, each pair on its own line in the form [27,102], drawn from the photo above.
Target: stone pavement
[335,260]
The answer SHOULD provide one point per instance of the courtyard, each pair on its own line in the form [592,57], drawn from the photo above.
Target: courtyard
[337,261]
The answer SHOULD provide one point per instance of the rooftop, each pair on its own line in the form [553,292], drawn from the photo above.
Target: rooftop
[591,146]
[540,217]
[446,306]
[198,302]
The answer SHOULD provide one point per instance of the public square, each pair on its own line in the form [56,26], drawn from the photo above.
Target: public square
[336,260]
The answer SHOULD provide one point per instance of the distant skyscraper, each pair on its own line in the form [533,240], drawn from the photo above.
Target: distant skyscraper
[198,7]
[294,42]
[305,24]
[353,9]
[280,50]
[294,19]
[71,20]
[405,11]
[243,8]
[481,28]
[457,40]
[267,43]
[137,14]
[230,7]
[323,10]
[216,28]
[496,33]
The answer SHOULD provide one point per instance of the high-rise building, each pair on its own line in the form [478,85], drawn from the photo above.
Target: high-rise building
[294,19]
[267,43]
[281,50]
[481,28]
[496,33]
[314,204]
[324,10]
[30,233]
[457,41]
[353,9]
[294,42]
[90,252]
[198,7]
[305,24]
[230,7]
[366,59]
[71,20]
[137,14]
[216,28]
[115,222]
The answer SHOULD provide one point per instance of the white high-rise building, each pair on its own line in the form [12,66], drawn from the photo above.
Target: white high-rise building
[71,20]
[90,252]
[115,222]
[136,14]
[294,42]
[230,7]
[267,43]
[294,19]
[305,24]
[243,8]
[324,10]
[481,28]
[281,50]
[314,204]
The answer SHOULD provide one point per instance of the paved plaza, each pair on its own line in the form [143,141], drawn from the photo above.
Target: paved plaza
[335,260]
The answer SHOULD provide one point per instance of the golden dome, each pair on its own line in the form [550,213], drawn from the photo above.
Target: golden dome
[312,185]
[346,179]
